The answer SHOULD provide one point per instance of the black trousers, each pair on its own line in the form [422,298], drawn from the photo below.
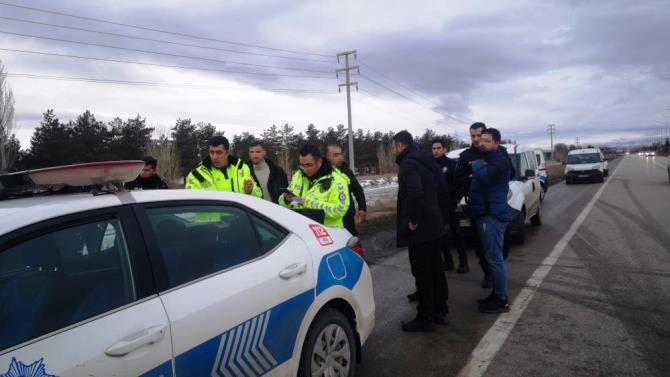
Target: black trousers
[350,222]
[454,238]
[431,283]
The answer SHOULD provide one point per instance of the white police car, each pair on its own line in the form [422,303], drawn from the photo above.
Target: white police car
[174,283]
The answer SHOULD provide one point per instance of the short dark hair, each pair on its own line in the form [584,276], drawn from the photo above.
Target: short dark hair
[150,161]
[439,140]
[495,134]
[334,145]
[218,140]
[257,143]
[478,125]
[403,137]
[309,149]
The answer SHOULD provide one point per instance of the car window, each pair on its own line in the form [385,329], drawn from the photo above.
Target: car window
[195,241]
[58,279]
[532,164]
[584,158]
[269,235]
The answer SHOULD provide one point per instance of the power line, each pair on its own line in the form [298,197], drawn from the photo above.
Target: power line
[163,65]
[163,53]
[159,84]
[411,100]
[162,40]
[40,10]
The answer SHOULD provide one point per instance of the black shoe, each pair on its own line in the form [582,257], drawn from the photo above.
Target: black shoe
[463,268]
[448,266]
[418,324]
[487,282]
[413,297]
[487,299]
[496,305]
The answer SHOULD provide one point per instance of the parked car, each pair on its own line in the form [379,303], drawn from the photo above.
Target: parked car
[174,282]
[523,197]
[586,164]
[542,172]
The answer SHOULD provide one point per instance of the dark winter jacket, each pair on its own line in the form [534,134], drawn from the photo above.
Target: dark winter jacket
[490,185]
[419,181]
[152,183]
[448,168]
[462,176]
[355,190]
[276,181]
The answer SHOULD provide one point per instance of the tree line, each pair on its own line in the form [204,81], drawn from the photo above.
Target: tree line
[180,148]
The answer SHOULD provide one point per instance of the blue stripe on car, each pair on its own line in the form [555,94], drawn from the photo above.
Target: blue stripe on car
[342,267]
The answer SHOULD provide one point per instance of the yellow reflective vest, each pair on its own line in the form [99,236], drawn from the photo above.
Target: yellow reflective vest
[230,178]
[328,192]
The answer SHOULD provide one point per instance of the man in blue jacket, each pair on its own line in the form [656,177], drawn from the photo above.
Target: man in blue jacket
[488,206]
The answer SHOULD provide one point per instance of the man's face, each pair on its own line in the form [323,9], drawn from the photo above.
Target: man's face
[475,136]
[335,155]
[257,154]
[487,144]
[398,148]
[309,165]
[438,150]
[219,155]
[148,171]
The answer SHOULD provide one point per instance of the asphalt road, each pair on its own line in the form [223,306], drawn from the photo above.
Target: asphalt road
[603,309]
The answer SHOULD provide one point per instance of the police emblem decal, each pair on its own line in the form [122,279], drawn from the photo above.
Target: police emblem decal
[19,369]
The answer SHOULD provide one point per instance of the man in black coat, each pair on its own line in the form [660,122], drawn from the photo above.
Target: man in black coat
[268,176]
[148,178]
[462,178]
[420,225]
[448,168]
[335,155]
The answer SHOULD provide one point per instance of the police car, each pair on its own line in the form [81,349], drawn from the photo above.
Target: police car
[172,283]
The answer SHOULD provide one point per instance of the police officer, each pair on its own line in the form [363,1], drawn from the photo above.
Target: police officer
[148,178]
[317,185]
[222,171]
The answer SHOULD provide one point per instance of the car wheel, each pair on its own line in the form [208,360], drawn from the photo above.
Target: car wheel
[568,181]
[520,235]
[606,173]
[536,220]
[601,178]
[330,347]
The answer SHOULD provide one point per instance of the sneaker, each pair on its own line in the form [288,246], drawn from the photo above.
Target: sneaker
[463,268]
[496,305]
[418,324]
[487,299]
[487,282]
[413,297]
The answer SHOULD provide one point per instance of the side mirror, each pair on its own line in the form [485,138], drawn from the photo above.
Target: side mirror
[529,173]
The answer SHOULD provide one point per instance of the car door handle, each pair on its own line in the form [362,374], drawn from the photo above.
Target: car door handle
[137,340]
[293,270]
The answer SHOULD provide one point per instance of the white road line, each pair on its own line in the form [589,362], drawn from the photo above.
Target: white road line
[495,337]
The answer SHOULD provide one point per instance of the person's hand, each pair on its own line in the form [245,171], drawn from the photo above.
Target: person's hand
[288,197]
[301,202]
[248,186]
[412,226]
[446,227]
[362,216]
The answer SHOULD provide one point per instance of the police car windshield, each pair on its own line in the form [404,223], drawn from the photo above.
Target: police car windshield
[586,158]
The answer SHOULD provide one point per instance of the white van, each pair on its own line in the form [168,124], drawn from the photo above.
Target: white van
[586,164]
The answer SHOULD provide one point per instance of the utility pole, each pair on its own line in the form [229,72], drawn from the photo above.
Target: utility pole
[577,141]
[552,130]
[348,85]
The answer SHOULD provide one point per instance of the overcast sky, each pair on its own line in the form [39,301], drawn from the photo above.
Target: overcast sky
[599,70]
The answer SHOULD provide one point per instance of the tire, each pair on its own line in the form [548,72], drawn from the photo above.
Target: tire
[520,236]
[536,220]
[330,332]
[568,182]
[606,173]
[601,179]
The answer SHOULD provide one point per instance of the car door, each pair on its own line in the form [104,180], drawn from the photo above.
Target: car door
[235,285]
[78,300]
[535,187]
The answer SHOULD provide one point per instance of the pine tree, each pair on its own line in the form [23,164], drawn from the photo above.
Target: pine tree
[50,144]
[90,139]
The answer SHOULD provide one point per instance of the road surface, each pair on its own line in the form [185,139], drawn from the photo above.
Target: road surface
[602,306]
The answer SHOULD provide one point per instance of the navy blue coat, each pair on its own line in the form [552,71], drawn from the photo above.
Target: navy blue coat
[490,185]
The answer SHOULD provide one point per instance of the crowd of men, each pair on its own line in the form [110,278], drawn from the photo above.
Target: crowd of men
[430,186]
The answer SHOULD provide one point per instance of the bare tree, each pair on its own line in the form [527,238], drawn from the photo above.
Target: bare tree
[7,152]
[386,159]
[165,151]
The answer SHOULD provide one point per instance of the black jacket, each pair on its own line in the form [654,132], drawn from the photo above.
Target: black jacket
[448,168]
[355,190]
[419,184]
[276,181]
[153,183]
[463,174]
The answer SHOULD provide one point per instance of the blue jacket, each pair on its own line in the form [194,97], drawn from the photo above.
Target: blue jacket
[490,185]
